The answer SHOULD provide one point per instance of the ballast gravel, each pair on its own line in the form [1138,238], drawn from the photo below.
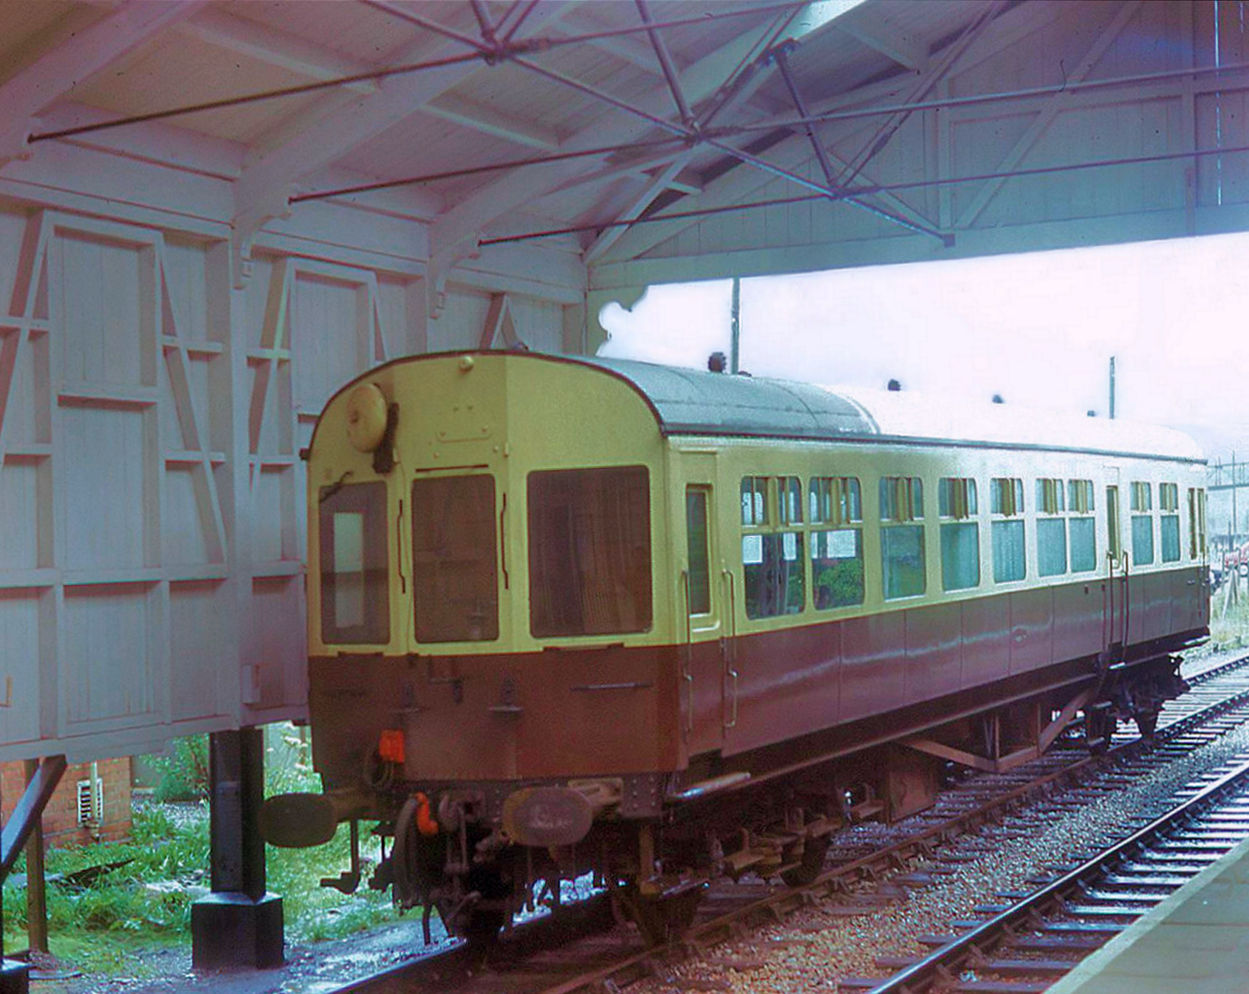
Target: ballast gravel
[814,948]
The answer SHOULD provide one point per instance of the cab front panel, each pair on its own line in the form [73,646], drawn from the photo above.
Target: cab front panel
[495,599]
[554,715]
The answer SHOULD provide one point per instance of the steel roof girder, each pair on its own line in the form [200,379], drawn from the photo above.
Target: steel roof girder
[467,219]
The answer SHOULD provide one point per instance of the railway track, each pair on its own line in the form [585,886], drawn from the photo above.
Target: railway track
[869,866]
[1025,946]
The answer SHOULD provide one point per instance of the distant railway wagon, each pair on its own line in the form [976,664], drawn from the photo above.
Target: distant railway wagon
[662,625]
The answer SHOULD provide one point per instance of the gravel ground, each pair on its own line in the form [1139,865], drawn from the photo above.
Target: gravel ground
[813,948]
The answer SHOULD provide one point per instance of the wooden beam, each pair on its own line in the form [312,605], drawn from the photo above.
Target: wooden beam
[449,107]
[331,128]
[1057,103]
[890,40]
[277,48]
[75,57]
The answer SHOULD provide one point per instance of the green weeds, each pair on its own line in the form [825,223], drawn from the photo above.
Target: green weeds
[109,901]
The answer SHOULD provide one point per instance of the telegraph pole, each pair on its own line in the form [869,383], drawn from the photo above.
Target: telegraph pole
[735,327]
[1112,386]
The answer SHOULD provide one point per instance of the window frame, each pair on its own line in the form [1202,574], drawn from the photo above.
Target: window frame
[835,504]
[958,512]
[1007,508]
[901,511]
[645,607]
[771,531]
[370,499]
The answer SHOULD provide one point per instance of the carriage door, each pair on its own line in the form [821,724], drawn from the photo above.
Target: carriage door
[704,664]
[1116,566]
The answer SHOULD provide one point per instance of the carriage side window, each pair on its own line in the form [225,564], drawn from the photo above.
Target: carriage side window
[837,552]
[835,500]
[1169,521]
[773,568]
[455,585]
[901,541]
[1142,524]
[589,551]
[1010,559]
[1196,522]
[1081,522]
[1051,528]
[789,500]
[960,538]
[754,500]
[355,601]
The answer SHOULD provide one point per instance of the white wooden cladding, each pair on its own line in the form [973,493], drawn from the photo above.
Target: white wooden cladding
[151,491]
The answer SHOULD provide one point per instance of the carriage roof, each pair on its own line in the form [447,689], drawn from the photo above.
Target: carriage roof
[695,402]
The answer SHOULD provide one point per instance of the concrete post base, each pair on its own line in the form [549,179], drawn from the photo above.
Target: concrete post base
[14,977]
[231,930]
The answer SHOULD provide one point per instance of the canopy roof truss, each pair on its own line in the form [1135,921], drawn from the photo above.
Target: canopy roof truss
[605,138]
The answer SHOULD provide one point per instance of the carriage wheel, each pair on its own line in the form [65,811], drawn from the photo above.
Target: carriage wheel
[661,920]
[812,864]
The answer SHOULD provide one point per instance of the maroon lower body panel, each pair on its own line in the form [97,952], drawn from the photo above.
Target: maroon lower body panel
[604,710]
[798,681]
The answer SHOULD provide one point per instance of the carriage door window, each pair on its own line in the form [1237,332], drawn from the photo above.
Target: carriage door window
[454,559]
[1196,523]
[589,551]
[355,604]
[698,553]
[1114,541]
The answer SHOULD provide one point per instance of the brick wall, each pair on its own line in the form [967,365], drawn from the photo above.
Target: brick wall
[60,817]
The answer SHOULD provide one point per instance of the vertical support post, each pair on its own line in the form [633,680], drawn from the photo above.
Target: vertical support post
[735,327]
[36,882]
[239,923]
[14,975]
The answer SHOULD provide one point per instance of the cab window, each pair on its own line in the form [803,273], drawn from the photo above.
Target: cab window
[589,551]
[454,559]
[355,603]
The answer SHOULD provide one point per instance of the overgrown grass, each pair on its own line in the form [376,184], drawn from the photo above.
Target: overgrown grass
[141,896]
[1229,616]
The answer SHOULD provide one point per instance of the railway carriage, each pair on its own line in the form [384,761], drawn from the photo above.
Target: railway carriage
[571,615]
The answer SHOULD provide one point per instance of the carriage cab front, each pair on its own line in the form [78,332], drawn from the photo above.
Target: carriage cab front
[486,534]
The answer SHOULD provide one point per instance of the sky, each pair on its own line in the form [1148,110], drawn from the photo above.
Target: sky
[1038,328]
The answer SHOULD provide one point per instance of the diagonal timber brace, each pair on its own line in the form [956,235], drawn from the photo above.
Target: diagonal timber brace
[1001,764]
[28,811]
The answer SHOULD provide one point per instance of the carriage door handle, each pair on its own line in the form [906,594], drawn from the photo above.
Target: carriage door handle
[687,652]
[730,670]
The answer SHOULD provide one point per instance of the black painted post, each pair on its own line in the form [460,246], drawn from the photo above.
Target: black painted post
[239,923]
